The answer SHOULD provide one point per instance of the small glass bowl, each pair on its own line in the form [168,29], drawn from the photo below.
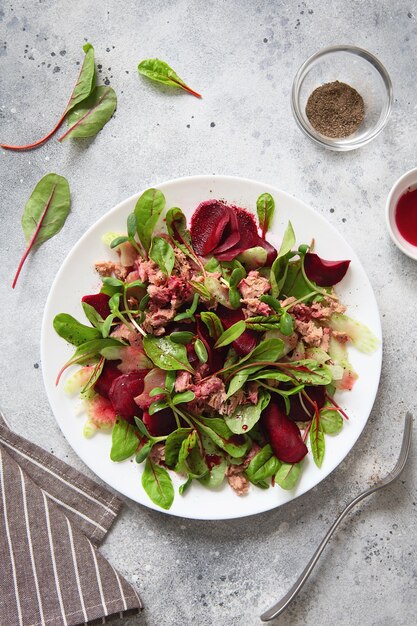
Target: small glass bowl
[359,69]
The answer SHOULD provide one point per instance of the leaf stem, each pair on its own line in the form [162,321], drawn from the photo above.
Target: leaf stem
[34,236]
[186,87]
[71,128]
[130,316]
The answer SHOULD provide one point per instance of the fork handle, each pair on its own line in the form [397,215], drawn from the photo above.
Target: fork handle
[280,606]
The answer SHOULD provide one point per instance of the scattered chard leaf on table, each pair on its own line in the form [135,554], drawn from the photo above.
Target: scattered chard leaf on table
[45,213]
[88,117]
[83,88]
[161,72]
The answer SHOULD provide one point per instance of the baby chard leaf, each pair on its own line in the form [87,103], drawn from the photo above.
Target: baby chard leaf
[88,117]
[147,211]
[173,445]
[265,207]
[288,474]
[201,351]
[244,418]
[157,484]
[162,253]
[161,72]
[45,213]
[73,331]
[317,440]
[213,323]
[232,333]
[166,354]
[288,241]
[331,421]
[219,432]
[124,440]
[82,89]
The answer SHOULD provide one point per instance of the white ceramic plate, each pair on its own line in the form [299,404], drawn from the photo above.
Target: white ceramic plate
[77,277]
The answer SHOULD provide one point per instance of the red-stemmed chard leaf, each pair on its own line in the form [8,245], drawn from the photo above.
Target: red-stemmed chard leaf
[44,214]
[248,340]
[89,116]
[324,273]
[82,89]
[265,207]
[161,72]
[284,435]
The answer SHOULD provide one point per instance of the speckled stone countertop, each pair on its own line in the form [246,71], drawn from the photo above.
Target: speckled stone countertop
[242,56]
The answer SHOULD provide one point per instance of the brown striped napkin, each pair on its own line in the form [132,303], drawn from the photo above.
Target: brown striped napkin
[52,518]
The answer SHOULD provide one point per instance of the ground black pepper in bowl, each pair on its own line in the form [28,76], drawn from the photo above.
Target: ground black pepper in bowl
[335,109]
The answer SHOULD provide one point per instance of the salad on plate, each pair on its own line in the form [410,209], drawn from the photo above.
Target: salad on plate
[210,353]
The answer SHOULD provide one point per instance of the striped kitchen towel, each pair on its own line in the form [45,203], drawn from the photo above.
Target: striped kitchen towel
[52,518]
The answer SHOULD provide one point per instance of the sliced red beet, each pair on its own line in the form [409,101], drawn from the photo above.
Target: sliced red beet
[284,435]
[123,391]
[108,374]
[324,273]
[207,225]
[248,340]
[160,423]
[297,412]
[248,232]
[99,302]
[231,234]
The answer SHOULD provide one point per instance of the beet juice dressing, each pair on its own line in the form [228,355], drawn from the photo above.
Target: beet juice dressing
[406,216]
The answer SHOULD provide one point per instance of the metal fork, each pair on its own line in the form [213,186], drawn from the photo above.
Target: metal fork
[280,606]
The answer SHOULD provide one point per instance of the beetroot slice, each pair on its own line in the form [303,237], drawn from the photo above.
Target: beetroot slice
[248,340]
[248,232]
[284,435]
[297,412]
[99,302]
[207,225]
[324,273]
[123,391]
[160,423]
[108,374]
[231,234]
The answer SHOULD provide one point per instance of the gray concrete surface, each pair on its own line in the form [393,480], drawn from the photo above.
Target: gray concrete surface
[242,56]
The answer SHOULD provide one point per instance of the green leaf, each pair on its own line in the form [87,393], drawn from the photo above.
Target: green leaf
[270,374]
[278,274]
[331,421]
[232,333]
[216,464]
[182,336]
[258,461]
[236,276]
[173,445]
[88,117]
[187,446]
[200,289]
[183,488]
[310,372]
[157,484]
[162,253]
[144,452]
[288,475]
[124,440]
[87,351]
[201,351]
[272,302]
[188,313]
[157,405]
[213,323]
[288,241]
[73,331]
[118,240]
[86,79]
[166,354]
[268,350]
[142,428]
[91,314]
[184,396]
[46,210]
[219,432]
[234,297]
[265,207]
[132,226]
[147,212]
[295,283]
[317,441]
[156,391]
[161,72]
[170,378]
[244,418]
[268,469]
[286,324]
